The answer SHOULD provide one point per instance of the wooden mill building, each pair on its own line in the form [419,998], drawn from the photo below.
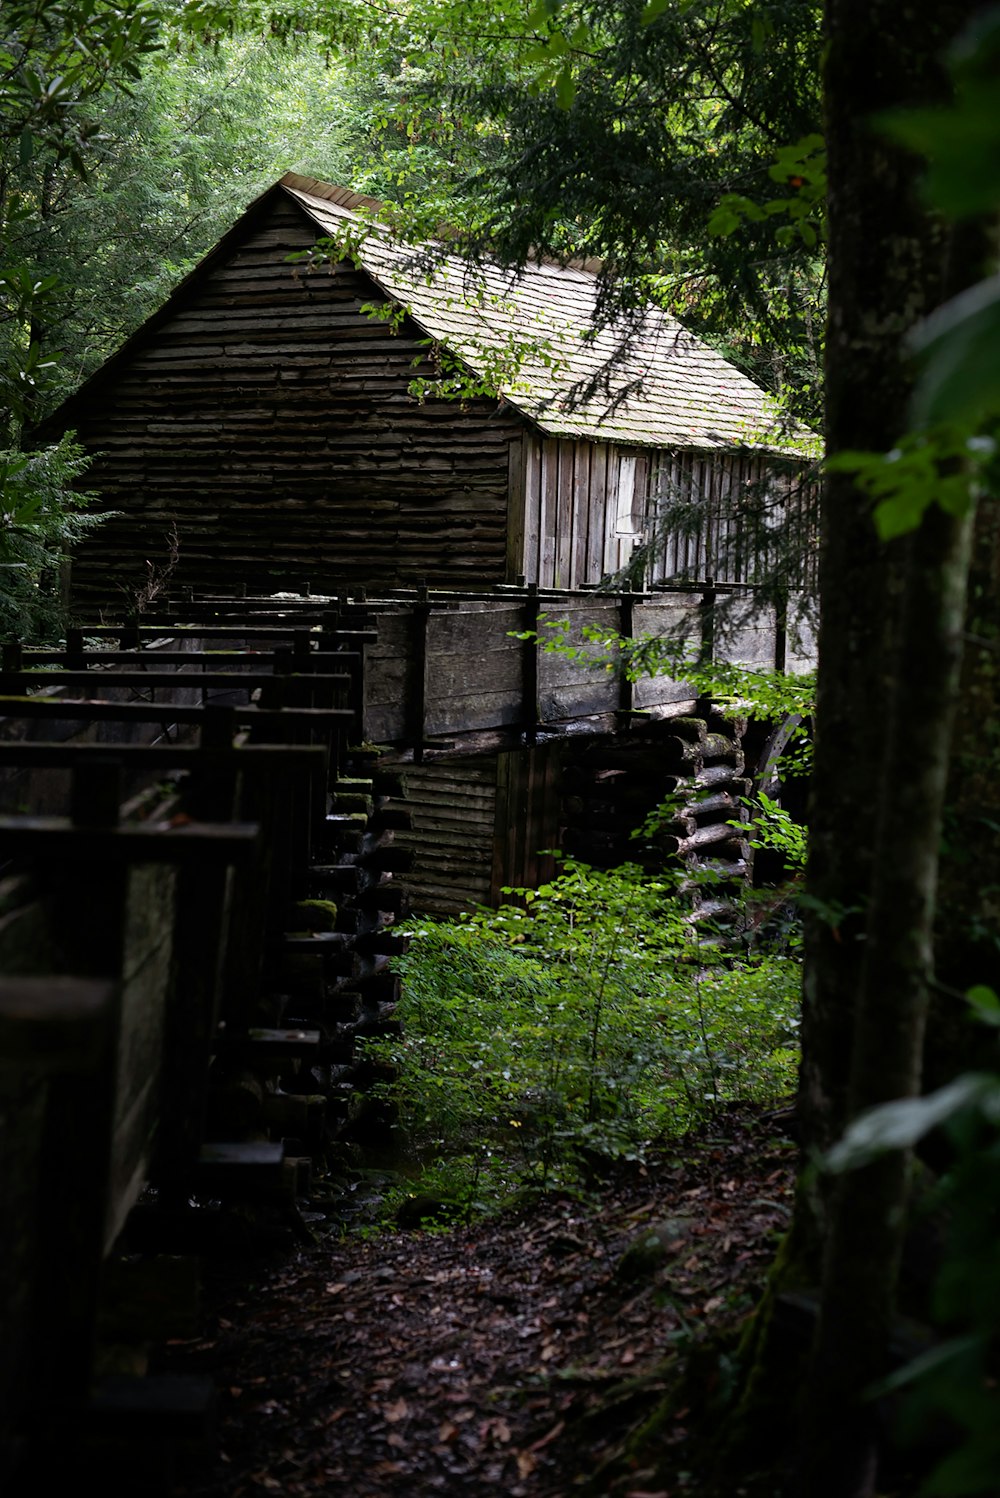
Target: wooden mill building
[281,418]
[269,411]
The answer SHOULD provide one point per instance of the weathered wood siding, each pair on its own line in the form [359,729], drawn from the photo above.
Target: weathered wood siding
[735,507]
[480,823]
[444,669]
[579,509]
[528,820]
[452,804]
[268,416]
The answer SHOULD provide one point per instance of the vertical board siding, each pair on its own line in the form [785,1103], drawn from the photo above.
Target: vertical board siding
[597,498]
[721,494]
[576,532]
[533,508]
[270,417]
[566,502]
[527,819]
[516,538]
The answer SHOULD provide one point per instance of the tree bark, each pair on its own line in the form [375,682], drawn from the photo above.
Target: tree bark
[967,947]
[885,269]
[870,974]
[868,1217]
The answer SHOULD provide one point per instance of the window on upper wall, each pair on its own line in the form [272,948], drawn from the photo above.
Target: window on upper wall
[629,518]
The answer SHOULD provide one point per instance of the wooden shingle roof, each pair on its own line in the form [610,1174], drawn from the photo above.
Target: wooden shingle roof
[690,396]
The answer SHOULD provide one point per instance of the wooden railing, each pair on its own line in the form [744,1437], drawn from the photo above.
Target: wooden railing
[166,812]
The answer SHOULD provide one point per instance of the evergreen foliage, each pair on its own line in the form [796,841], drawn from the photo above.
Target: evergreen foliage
[42,513]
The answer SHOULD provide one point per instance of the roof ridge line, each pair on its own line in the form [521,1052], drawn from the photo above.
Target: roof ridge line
[347,197]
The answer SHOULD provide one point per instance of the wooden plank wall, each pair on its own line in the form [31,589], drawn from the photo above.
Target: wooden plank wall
[572,515]
[528,818]
[452,805]
[479,823]
[566,508]
[444,668]
[710,485]
[269,416]
[474,668]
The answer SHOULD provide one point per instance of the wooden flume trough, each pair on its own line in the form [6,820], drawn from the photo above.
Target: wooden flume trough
[202,833]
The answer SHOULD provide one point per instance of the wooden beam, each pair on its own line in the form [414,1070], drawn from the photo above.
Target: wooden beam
[48,838]
[53,1024]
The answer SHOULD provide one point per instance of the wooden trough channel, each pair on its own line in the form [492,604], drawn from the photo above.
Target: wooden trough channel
[202,825]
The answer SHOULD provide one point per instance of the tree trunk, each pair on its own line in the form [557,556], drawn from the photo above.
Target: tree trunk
[886,260]
[869,974]
[868,1218]
[967,950]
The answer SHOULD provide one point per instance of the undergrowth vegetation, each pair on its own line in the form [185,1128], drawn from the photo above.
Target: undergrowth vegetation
[544,1040]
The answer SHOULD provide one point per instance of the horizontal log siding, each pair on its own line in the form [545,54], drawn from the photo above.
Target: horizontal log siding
[452,804]
[269,417]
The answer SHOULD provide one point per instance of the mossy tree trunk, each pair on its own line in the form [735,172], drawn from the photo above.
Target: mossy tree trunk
[888,662]
[867,1218]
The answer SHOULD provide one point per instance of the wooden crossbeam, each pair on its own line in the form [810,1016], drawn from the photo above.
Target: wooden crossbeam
[53,1024]
[317,659]
[11,681]
[48,838]
[210,631]
[262,759]
[52,709]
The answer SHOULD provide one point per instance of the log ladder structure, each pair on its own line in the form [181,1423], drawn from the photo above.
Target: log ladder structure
[195,927]
[207,817]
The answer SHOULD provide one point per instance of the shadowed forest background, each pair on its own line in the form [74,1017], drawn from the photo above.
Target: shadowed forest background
[815,193]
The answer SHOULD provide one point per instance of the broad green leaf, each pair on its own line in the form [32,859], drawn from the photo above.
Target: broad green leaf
[565,89]
[899,1125]
[900,514]
[959,350]
[963,150]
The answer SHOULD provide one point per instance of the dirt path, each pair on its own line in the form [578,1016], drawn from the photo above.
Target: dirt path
[512,1357]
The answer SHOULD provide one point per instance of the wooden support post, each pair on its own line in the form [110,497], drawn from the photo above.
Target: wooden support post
[96,795]
[75,656]
[418,692]
[781,630]
[272,693]
[202,903]
[626,687]
[706,611]
[62,1029]
[529,666]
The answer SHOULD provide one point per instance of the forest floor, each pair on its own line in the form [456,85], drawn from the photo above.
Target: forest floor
[520,1355]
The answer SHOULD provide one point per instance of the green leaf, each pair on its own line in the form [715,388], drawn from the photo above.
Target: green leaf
[900,514]
[565,89]
[899,1125]
[959,351]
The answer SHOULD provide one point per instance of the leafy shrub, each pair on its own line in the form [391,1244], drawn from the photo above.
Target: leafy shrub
[41,515]
[543,1039]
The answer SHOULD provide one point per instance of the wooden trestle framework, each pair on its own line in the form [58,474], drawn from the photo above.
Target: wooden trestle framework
[203,830]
